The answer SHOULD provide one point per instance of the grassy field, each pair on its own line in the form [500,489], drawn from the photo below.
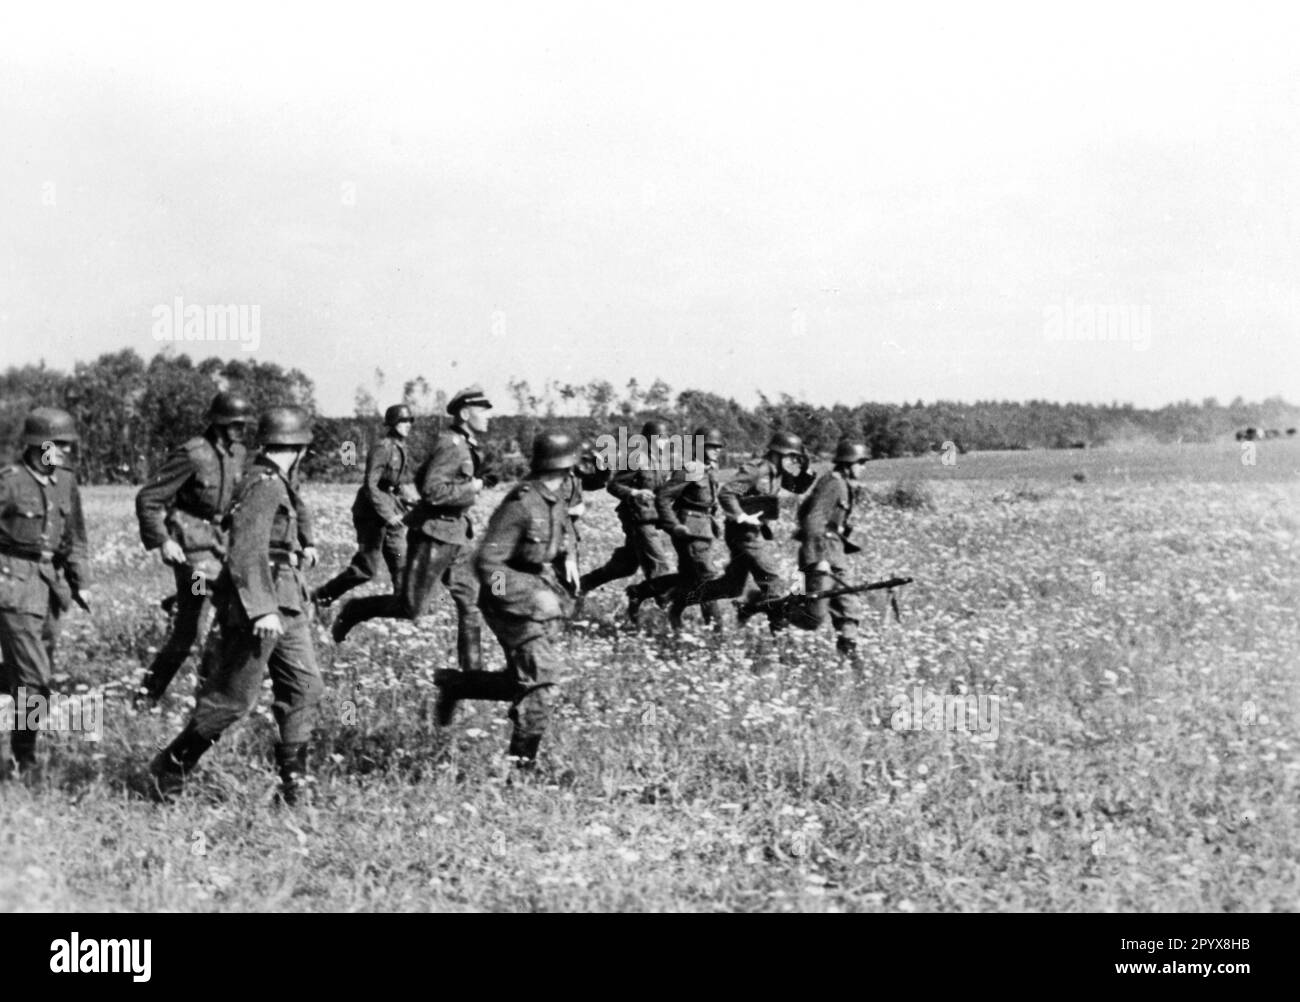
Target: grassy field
[1135,635]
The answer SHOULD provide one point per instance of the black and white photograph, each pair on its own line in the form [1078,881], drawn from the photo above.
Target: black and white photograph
[651,458]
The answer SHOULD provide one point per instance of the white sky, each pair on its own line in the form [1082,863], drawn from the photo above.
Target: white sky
[840,202]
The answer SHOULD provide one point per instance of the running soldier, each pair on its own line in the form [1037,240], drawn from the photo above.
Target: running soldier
[438,548]
[263,605]
[749,503]
[384,498]
[688,512]
[823,535]
[180,511]
[524,599]
[644,545]
[591,474]
[42,568]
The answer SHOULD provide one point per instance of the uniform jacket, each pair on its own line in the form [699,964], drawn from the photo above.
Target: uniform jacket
[386,474]
[269,525]
[527,534]
[189,494]
[45,522]
[757,479]
[633,509]
[446,494]
[690,500]
[824,520]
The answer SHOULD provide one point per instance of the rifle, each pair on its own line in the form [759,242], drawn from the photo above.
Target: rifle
[782,608]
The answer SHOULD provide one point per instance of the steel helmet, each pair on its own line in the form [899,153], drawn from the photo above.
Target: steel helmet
[49,424]
[787,443]
[230,408]
[396,413]
[851,452]
[554,450]
[711,436]
[284,426]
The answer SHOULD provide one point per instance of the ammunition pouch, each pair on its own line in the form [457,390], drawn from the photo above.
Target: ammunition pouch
[195,534]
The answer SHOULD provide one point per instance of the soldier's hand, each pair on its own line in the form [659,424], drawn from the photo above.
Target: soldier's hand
[679,531]
[822,566]
[310,556]
[171,553]
[477,484]
[82,597]
[748,518]
[268,626]
[578,510]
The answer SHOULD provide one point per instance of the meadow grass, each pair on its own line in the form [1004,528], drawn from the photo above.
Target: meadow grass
[1138,630]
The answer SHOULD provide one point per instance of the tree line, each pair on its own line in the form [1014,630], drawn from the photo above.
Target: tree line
[131,411]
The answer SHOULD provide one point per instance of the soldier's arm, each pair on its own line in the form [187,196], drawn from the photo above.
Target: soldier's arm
[730,493]
[159,495]
[72,547]
[383,502]
[511,590]
[665,498]
[250,544]
[438,484]
[622,484]
[816,516]
[306,527]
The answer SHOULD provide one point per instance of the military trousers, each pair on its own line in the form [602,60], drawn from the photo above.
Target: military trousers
[695,567]
[429,563]
[751,556]
[845,611]
[27,641]
[232,690]
[377,542]
[191,621]
[644,548]
[530,682]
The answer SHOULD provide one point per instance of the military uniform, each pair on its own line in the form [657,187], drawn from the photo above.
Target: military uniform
[824,524]
[756,486]
[438,548]
[524,603]
[644,545]
[261,577]
[377,515]
[186,501]
[42,563]
[688,510]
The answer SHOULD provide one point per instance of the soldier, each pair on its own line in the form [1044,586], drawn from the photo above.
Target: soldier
[591,474]
[644,545]
[384,498]
[42,566]
[823,536]
[688,512]
[180,511]
[749,502]
[263,605]
[438,543]
[524,598]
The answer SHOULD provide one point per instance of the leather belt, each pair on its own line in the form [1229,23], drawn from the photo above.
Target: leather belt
[25,554]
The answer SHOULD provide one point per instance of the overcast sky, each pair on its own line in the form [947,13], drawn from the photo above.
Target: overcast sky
[842,203]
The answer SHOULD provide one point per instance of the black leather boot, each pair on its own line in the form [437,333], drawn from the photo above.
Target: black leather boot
[291,761]
[170,766]
[523,749]
[469,645]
